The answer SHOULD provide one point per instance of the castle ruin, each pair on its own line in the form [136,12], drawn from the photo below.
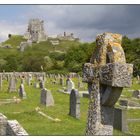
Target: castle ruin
[35,31]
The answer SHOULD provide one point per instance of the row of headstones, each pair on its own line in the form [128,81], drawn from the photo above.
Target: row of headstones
[120,117]
[12,79]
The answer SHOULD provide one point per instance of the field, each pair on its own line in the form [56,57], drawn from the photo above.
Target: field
[35,124]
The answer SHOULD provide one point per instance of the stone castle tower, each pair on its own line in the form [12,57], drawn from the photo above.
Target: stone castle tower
[35,31]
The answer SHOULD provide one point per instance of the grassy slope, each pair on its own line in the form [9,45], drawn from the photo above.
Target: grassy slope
[43,48]
[35,124]
[15,40]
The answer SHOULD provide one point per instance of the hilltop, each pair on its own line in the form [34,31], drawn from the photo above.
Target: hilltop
[67,56]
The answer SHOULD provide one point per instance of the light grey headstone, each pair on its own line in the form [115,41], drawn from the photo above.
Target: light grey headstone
[70,85]
[12,84]
[74,104]
[46,98]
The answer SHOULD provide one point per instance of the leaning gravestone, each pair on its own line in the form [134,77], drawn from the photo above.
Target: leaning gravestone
[12,84]
[22,93]
[46,97]
[75,104]
[106,75]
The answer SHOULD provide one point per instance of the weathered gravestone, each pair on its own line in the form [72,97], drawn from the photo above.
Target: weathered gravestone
[12,85]
[136,94]
[70,85]
[3,125]
[120,120]
[10,127]
[106,75]
[128,103]
[41,84]
[22,93]
[61,81]
[75,104]
[46,97]
[0,81]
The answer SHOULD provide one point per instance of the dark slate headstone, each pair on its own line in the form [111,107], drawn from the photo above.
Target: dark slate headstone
[22,93]
[136,94]
[41,84]
[74,104]
[120,120]
[46,97]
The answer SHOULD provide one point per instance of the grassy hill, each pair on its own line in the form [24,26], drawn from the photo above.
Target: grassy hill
[38,54]
[14,41]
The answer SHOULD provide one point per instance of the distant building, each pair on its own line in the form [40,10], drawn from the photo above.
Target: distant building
[67,36]
[35,31]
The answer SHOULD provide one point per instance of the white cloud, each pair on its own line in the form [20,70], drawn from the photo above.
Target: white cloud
[85,21]
[10,28]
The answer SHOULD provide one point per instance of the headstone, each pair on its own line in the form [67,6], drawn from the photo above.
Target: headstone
[0,81]
[61,81]
[136,94]
[41,84]
[12,85]
[36,85]
[3,125]
[70,85]
[120,120]
[128,103]
[22,93]
[46,98]
[74,104]
[15,129]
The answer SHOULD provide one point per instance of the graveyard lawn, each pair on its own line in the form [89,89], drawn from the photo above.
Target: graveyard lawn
[36,124]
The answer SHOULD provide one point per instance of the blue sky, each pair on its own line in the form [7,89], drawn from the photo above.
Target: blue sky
[85,21]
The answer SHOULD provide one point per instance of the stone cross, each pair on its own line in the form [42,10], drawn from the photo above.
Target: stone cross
[22,93]
[75,104]
[46,97]
[106,75]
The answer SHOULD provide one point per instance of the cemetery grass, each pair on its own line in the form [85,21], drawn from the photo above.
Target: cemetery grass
[35,124]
